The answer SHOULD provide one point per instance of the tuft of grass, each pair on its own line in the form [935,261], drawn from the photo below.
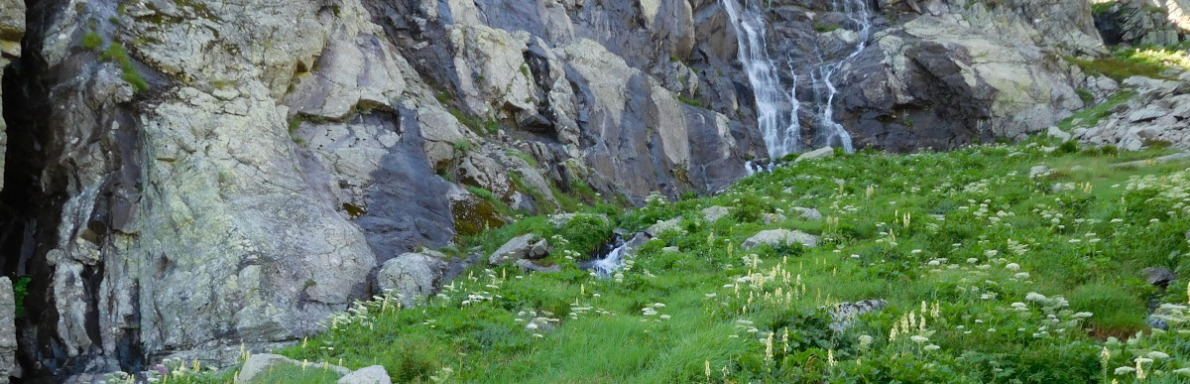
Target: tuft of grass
[825,28]
[116,52]
[1090,117]
[1115,309]
[92,41]
[463,146]
[1085,95]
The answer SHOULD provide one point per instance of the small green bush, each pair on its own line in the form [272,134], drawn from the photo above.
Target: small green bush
[92,41]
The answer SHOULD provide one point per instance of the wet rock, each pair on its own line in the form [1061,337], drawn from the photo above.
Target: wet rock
[772,237]
[412,276]
[983,72]
[528,246]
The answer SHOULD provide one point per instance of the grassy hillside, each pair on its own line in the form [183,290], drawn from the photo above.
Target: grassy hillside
[990,275]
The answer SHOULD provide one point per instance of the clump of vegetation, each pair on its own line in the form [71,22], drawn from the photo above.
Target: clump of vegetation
[1085,95]
[116,53]
[825,28]
[989,275]
[1103,7]
[20,289]
[1125,63]
[92,40]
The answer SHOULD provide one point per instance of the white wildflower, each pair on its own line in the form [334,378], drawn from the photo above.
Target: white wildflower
[1157,355]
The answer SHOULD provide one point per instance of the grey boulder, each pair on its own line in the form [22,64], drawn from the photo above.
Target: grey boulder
[780,237]
[528,246]
[412,276]
[368,375]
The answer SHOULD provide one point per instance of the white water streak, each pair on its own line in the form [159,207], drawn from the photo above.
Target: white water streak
[781,131]
[833,133]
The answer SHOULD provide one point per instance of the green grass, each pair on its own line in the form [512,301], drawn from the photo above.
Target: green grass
[1090,117]
[92,41]
[116,52]
[463,146]
[824,28]
[1102,7]
[985,271]
[689,101]
[1125,63]
[523,156]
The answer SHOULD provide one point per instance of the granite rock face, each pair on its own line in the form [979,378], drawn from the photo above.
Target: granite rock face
[187,176]
[936,74]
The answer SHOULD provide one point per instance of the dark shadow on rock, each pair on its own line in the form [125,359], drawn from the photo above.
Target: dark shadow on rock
[408,205]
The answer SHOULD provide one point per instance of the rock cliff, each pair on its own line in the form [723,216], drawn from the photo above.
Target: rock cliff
[183,176]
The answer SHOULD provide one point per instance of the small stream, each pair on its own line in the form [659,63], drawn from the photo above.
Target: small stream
[611,257]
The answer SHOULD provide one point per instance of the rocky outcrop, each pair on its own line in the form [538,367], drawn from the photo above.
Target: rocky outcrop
[937,74]
[1143,23]
[412,277]
[1158,114]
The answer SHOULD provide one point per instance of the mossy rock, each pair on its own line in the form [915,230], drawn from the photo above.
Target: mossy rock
[473,216]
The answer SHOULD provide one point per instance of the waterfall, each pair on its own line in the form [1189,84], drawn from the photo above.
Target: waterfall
[611,263]
[832,133]
[775,112]
[777,109]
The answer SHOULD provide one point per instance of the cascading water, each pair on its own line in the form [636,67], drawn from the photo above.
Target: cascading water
[611,263]
[832,133]
[776,109]
[775,112]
